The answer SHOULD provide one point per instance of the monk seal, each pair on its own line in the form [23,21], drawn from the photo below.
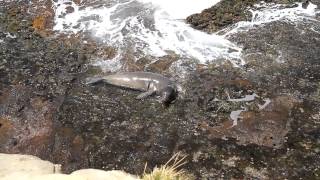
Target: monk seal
[149,83]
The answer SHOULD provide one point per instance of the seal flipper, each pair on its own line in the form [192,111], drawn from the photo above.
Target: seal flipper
[145,94]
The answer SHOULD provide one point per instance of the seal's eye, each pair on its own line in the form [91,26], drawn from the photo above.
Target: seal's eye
[168,95]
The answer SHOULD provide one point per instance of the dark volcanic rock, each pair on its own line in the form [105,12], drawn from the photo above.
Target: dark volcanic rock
[34,76]
[225,13]
[47,110]
[27,122]
[221,15]
[266,127]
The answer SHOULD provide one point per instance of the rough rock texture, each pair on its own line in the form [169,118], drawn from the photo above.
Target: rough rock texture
[34,74]
[226,13]
[47,110]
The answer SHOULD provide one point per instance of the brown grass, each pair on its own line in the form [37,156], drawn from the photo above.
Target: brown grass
[169,171]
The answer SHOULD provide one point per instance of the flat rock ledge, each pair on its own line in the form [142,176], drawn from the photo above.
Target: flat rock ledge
[27,167]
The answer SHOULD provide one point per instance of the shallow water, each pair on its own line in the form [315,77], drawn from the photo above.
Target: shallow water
[264,13]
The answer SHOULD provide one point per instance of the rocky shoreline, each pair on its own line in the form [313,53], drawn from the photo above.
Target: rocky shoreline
[46,110]
[226,13]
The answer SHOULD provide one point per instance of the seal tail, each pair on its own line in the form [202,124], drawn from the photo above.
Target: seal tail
[93,80]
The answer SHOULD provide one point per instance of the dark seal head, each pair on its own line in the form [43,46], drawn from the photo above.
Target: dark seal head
[168,94]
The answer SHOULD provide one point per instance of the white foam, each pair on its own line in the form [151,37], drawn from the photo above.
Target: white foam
[147,28]
[268,12]
[180,9]
[112,65]
[156,27]
[276,13]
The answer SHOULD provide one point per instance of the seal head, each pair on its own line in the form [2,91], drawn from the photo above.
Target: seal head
[168,94]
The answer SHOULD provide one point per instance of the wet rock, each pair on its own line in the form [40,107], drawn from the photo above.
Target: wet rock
[46,109]
[39,23]
[148,127]
[130,64]
[5,130]
[163,64]
[221,15]
[69,149]
[42,15]
[143,62]
[226,13]
[77,2]
[35,76]
[109,53]
[27,123]
[267,127]
[69,9]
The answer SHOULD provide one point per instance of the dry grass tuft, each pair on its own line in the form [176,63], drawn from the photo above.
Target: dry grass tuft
[169,171]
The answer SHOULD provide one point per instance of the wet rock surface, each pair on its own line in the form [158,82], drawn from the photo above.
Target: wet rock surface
[226,13]
[35,74]
[48,111]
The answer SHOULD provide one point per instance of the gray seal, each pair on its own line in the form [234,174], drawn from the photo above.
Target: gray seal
[149,83]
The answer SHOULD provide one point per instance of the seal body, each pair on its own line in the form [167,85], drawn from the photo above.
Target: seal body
[150,83]
[143,81]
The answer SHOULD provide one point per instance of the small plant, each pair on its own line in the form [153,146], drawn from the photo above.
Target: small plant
[169,171]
